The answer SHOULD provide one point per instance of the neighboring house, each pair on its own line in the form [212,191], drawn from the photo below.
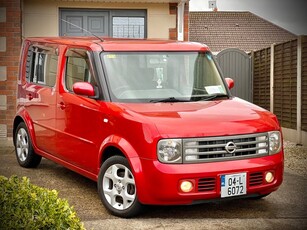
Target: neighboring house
[163,19]
[243,30]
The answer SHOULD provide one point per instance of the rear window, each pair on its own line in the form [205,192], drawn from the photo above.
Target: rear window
[41,66]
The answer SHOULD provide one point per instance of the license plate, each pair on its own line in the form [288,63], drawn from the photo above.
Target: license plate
[233,185]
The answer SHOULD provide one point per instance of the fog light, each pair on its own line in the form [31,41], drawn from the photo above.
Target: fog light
[186,186]
[269,177]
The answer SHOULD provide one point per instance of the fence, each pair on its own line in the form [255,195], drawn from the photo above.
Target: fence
[280,85]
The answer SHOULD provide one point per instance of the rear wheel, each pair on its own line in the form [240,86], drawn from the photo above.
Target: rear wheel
[25,154]
[117,189]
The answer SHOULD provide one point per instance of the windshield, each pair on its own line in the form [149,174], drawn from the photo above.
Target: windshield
[162,76]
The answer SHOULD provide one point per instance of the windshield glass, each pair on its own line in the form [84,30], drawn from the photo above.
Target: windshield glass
[162,76]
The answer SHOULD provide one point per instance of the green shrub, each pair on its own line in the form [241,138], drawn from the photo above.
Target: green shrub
[26,206]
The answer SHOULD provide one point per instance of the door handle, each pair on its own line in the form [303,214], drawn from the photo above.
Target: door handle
[61,105]
[30,96]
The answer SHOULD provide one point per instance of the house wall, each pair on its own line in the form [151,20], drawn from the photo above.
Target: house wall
[23,18]
[10,41]
[43,19]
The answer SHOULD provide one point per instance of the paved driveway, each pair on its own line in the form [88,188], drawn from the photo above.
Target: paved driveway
[284,209]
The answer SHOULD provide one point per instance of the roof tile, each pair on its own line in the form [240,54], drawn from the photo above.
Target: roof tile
[243,30]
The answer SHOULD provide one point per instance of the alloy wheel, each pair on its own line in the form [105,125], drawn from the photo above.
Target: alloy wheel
[22,144]
[119,187]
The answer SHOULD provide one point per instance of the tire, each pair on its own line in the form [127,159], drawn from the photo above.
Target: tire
[25,154]
[117,189]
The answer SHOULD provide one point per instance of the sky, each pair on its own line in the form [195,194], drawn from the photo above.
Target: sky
[288,14]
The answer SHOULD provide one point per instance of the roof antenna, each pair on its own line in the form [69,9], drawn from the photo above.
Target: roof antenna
[82,29]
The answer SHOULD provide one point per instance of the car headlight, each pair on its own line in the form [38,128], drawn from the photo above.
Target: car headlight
[170,151]
[275,142]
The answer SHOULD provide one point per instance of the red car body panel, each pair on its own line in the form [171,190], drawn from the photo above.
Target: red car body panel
[167,179]
[75,131]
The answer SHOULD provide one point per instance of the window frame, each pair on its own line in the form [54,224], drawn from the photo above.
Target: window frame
[78,52]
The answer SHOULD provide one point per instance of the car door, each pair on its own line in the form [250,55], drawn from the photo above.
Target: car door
[39,94]
[79,119]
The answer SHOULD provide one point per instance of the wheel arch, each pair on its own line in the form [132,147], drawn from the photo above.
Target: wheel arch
[25,118]
[115,145]
[109,152]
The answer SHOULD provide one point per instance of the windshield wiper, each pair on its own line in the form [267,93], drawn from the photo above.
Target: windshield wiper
[169,99]
[194,98]
[211,97]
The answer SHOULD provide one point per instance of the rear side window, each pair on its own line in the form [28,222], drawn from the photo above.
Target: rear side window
[41,66]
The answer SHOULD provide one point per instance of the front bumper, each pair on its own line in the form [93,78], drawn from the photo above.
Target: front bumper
[158,183]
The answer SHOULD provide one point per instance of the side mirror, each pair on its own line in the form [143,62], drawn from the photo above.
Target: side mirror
[83,88]
[230,82]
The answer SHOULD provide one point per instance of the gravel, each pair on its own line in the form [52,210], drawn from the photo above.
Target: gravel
[295,157]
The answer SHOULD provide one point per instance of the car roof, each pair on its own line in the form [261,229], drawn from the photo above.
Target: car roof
[119,44]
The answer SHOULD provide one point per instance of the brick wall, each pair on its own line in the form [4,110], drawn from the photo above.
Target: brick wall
[10,42]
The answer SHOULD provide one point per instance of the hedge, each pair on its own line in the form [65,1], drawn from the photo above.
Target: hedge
[26,206]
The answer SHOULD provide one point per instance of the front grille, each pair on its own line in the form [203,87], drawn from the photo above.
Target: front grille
[212,149]
[255,179]
[206,184]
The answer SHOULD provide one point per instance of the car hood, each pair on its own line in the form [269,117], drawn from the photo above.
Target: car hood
[206,118]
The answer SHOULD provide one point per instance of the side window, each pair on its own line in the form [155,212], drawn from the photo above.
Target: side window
[77,68]
[41,66]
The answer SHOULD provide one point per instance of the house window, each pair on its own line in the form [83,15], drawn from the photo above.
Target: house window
[103,22]
[128,27]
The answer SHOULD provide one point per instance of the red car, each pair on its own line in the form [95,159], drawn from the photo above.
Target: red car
[152,121]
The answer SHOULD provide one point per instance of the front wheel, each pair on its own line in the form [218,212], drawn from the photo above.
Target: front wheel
[117,189]
[25,154]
